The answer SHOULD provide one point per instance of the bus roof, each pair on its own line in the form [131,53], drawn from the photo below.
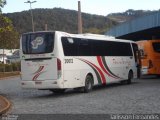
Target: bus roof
[85,36]
[94,36]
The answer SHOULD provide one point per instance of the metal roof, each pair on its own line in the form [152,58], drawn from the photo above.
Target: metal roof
[146,27]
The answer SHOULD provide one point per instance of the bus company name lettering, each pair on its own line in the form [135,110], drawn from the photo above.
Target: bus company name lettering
[121,62]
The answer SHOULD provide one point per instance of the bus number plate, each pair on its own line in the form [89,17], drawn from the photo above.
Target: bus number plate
[68,61]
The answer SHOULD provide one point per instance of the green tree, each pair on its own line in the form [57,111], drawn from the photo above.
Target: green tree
[2,3]
[8,35]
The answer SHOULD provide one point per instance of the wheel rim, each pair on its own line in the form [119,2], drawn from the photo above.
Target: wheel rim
[89,84]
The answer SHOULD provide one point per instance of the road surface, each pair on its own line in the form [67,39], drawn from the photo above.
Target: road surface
[138,98]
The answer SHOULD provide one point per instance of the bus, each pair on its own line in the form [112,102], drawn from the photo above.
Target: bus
[150,57]
[56,61]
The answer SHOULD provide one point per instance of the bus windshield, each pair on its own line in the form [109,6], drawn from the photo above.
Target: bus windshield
[37,43]
[156,46]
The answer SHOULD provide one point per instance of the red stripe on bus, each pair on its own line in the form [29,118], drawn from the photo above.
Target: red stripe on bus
[36,76]
[101,65]
[39,69]
[99,71]
[38,72]
[99,59]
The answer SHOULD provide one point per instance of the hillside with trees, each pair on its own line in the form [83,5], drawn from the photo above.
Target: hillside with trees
[66,20]
[128,15]
[59,19]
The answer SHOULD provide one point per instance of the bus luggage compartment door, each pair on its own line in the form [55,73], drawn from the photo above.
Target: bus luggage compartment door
[39,69]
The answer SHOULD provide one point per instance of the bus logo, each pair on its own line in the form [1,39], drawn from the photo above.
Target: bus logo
[38,41]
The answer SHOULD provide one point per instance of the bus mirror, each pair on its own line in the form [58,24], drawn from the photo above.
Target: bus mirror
[142,54]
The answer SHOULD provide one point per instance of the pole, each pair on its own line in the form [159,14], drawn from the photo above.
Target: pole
[3,58]
[46,27]
[31,13]
[32,17]
[3,54]
[79,18]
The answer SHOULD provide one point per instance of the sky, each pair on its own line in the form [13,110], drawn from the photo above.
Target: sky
[99,7]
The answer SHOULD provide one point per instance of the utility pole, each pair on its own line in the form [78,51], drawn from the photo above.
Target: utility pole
[79,18]
[46,27]
[30,2]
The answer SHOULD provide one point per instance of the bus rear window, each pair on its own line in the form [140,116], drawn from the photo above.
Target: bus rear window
[37,43]
[156,46]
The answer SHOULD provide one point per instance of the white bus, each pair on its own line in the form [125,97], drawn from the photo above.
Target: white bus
[58,60]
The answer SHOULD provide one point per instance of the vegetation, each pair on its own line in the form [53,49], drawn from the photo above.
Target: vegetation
[14,24]
[10,67]
[2,3]
[59,19]
[66,20]
[8,35]
[128,15]
[9,38]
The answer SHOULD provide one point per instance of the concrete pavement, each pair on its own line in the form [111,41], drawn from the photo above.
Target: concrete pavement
[4,105]
[4,102]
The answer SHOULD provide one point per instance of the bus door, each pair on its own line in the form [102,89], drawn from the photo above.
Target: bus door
[137,58]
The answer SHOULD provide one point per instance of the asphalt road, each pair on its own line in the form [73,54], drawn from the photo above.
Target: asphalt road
[143,96]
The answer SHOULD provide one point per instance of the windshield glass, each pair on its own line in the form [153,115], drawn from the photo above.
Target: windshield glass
[37,43]
[156,46]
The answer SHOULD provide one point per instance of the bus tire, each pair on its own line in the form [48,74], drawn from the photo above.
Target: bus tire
[123,82]
[130,77]
[88,84]
[158,76]
[58,90]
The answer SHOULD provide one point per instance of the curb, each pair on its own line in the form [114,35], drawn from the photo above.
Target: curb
[7,105]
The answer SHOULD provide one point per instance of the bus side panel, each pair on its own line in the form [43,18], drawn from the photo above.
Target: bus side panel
[154,59]
[119,67]
[103,69]
[71,72]
[75,70]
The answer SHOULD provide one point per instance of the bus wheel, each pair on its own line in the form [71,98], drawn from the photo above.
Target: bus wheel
[58,90]
[130,77]
[88,84]
[158,76]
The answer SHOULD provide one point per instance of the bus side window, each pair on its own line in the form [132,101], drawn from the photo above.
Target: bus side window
[84,48]
[70,46]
